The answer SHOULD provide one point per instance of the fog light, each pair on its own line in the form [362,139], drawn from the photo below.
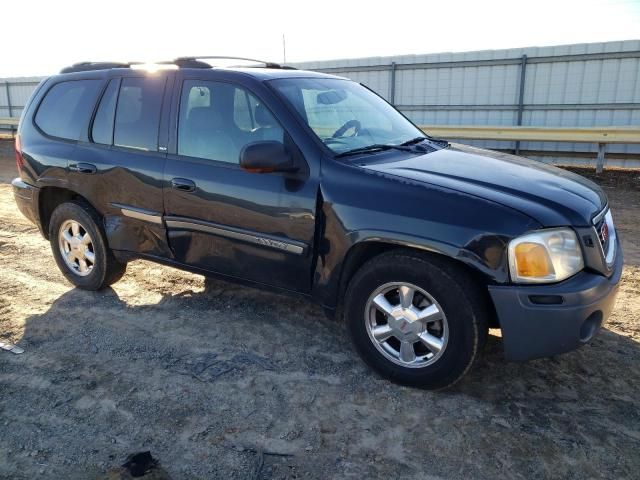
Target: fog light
[590,326]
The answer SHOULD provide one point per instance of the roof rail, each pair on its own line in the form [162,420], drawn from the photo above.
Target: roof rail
[180,60]
[87,66]
[187,62]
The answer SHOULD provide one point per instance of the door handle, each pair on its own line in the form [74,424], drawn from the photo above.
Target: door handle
[183,184]
[83,168]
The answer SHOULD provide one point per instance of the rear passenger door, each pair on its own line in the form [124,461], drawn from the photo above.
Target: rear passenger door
[118,166]
[219,217]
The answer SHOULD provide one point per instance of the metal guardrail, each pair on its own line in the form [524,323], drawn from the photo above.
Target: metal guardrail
[598,135]
[10,122]
[537,134]
[519,107]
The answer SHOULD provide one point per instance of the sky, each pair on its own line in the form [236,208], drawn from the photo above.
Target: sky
[41,37]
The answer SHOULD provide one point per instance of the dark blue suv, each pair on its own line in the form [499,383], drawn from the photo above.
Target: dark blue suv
[313,184]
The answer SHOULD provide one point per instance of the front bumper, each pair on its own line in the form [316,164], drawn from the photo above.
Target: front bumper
[544,320]
[25,196]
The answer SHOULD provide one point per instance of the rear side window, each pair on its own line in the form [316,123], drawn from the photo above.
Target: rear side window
[138,113]
[66,108]
[102,131]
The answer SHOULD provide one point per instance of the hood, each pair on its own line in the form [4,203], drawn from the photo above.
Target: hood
[549,195]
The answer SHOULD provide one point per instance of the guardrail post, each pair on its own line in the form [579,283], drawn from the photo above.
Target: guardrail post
[9,107]
[600,161]
[392,93]
[523,74]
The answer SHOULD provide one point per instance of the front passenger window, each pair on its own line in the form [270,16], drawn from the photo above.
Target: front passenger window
[217,120]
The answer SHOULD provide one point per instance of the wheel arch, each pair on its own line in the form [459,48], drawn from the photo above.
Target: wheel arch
[366,249]
[51,197]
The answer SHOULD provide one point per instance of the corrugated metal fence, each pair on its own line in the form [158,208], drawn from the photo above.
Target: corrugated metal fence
[14,93]
[585,85]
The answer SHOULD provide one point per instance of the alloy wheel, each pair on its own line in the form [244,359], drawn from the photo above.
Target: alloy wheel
[76,247]
[406,324]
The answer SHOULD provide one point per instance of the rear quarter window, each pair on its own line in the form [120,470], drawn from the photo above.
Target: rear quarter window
[102,130]
[66,108]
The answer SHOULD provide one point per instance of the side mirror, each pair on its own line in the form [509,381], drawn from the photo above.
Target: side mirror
[266,157]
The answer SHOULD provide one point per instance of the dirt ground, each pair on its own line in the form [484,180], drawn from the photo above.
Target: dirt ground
[222,381]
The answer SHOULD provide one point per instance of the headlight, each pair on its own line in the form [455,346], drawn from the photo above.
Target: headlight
[545,256]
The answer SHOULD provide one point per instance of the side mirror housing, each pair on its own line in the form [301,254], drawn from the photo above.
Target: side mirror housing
[267,157]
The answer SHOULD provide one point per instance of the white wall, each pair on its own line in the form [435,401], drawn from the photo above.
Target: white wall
[570,85]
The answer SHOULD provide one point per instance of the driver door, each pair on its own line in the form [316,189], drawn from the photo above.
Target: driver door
[221,218]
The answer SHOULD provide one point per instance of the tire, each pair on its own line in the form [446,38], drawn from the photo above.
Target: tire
[445,345]
[104,270]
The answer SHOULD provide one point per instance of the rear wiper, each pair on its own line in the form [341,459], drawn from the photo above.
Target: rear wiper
[376,147]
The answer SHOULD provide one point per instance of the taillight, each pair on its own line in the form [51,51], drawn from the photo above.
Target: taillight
[19,159]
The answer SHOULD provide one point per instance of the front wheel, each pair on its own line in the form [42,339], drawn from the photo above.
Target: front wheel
[80,249]
[416,319]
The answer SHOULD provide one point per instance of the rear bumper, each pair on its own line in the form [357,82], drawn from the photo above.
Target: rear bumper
[25,196]
[581,305]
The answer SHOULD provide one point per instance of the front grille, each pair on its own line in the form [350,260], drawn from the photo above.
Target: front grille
[606,233]
[603,236]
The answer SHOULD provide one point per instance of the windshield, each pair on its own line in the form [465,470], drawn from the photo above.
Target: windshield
[345,115]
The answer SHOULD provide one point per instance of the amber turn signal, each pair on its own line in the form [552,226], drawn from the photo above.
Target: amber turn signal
[532,260]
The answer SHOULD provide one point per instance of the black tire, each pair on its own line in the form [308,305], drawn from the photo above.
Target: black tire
[106,270]
[450,286]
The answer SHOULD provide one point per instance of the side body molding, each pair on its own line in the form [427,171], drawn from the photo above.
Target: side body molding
[182,223]
[277,243]
[139,213]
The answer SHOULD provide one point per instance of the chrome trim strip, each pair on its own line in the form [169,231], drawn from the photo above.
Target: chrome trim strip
[18,183]
[601,215]
[610,253]
[236,234]
[139,213]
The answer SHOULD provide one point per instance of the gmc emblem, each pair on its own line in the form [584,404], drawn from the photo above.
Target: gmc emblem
[604,232]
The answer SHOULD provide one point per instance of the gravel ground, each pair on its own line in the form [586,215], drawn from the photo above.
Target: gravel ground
[222,381]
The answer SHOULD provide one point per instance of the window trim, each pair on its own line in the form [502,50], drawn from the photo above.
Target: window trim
[41,101]
[118,80]
[251,113]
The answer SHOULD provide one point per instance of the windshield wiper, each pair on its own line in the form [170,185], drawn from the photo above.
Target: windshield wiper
[376,147]
[414,141]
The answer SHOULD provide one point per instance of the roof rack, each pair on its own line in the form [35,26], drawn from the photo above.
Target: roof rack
[180,62]
[86,66]
[185,62]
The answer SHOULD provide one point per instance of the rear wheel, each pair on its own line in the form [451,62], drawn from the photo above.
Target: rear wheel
[416,319]
[80,249]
